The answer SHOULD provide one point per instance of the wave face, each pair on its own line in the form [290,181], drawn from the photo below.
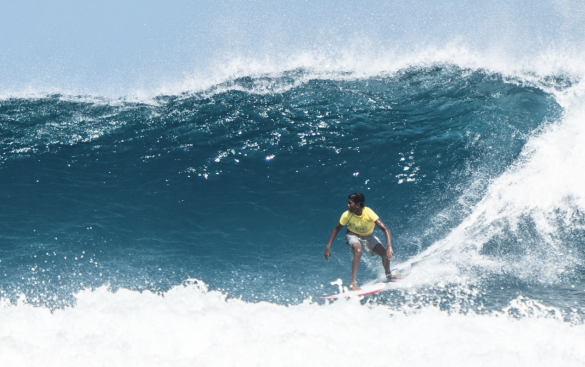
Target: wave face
[109,205]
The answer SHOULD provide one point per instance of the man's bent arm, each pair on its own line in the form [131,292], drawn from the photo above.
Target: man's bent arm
[331,238]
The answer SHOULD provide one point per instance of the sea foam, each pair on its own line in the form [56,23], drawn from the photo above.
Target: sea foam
[189,325]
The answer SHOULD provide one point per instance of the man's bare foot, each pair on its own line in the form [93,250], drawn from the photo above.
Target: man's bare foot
[391,277]
[354,286]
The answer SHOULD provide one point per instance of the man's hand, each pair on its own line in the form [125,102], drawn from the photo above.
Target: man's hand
[390,253]
[327,252]
[331,239]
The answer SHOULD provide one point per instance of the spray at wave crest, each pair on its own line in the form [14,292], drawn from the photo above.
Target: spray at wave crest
[361,59]
[359,62]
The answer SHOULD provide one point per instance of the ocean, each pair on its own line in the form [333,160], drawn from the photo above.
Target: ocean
[188,228]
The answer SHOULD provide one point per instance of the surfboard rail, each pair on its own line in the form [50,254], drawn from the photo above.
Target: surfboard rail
[365,290]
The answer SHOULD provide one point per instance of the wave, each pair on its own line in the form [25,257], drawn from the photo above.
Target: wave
[461,124]
[449,155]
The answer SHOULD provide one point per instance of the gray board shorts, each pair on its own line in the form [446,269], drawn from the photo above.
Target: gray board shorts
[368,242]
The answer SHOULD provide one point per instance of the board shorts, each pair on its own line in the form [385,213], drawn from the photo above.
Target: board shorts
[368,242]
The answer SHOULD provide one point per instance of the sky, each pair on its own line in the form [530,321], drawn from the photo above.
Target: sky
[117,47]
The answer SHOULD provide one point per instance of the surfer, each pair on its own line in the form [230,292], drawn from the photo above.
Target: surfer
[360,221]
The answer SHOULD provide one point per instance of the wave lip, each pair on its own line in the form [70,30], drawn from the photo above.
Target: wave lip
[529,223]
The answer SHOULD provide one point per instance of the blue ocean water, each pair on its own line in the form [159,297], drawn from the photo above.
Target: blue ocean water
[182,214]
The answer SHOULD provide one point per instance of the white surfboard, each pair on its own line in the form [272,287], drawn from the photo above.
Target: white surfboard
[365,290]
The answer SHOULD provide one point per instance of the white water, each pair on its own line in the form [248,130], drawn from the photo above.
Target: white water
[190,326]
[544,189]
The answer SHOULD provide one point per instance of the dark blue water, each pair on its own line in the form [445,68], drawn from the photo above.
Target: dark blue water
[240,186]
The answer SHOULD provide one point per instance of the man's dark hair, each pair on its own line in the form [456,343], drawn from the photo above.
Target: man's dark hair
[358,198]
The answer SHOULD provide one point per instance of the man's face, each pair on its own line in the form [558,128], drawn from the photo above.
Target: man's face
[353,207]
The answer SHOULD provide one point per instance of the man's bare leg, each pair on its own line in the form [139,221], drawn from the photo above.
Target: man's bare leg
[355,264]
[380,250]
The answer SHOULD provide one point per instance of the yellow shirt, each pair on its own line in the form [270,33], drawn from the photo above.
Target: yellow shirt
[360,224]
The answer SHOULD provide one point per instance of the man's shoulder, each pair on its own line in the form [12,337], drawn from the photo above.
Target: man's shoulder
[345,214]
[370,213]
[368,210]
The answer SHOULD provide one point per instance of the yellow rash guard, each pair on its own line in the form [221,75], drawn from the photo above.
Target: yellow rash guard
[362,225]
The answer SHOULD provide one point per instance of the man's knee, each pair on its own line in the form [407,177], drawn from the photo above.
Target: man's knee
[356,248]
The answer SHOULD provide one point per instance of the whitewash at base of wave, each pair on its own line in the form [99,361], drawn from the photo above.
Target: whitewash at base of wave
[190,326]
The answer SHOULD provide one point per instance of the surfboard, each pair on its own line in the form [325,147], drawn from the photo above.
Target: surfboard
[365,290]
